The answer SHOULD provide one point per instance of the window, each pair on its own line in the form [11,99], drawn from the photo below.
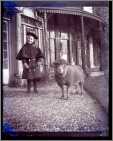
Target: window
[5,44]
[88,9]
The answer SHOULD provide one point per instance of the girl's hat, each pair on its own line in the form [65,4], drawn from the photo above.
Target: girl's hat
[32,34]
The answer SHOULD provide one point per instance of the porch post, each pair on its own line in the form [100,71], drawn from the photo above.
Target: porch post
[46,42]
[18,37]
[70,49]
[57,44]
[102,46]
[83,44]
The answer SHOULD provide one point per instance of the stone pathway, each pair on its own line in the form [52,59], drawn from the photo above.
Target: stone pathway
[45,111]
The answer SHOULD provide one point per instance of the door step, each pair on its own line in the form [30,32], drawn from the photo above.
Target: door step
[96,73]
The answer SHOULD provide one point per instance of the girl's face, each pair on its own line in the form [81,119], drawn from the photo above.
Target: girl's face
[30,39]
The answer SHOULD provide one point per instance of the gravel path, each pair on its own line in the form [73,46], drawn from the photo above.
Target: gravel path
[45,111]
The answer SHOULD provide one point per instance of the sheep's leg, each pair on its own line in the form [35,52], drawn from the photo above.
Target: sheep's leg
[81,87]
[76,88]
[67,92]
[62,92]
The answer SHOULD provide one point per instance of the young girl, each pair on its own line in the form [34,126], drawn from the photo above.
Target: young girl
[30,55]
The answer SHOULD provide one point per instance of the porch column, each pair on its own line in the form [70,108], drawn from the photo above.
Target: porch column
[19,42]
[102,46]
[70,49]
[57,45]
[46,48]
[83,44]
[91,53]
[13,66]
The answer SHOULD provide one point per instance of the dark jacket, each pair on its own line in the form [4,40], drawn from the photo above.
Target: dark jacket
[31,55]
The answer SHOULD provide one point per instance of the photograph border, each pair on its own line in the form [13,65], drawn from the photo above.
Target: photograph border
[63,135]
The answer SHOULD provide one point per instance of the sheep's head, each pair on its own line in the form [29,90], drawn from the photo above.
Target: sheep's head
[59,66]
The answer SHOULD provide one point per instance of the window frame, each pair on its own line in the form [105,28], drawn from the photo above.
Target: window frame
[7,43]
